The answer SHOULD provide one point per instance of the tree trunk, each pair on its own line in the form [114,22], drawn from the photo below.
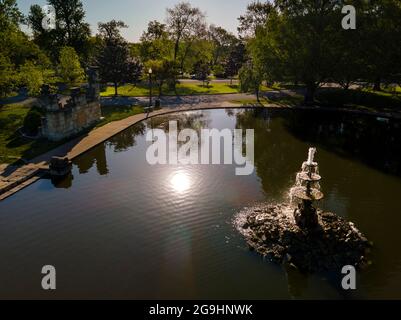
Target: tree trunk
[231,81]
[176,49]
[160,89]
[377,85]
[257,95]
[184,57]
[115,88]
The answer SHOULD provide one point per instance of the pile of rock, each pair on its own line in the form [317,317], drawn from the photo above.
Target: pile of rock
[271,230]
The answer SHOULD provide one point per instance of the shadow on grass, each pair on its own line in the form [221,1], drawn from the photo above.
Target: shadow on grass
[358,99]
[30,148]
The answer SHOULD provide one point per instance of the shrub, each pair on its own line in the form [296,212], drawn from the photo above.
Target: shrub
[33,121]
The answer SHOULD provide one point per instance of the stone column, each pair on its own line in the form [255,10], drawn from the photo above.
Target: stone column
[94,86]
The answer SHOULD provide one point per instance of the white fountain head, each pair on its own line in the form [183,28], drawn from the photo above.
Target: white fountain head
[311,156]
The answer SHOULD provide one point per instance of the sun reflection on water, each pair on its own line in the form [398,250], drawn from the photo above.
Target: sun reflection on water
[180,182]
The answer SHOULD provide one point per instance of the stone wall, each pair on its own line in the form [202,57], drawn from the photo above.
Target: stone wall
[66,122]
[66,116]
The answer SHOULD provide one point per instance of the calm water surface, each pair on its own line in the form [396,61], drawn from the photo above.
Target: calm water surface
[120,228]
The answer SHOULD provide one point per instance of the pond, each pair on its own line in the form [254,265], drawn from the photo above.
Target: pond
[120,228]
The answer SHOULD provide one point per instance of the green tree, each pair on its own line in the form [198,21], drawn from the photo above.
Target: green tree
[251,78]
[222,43]
[71,29]
[10,16]
[380,32]
[202,71]
[155,43]
[7,76]
[185,25]
[31,76]
[16,49]
[297,43]
[70,69]
[234,61]
[115,62]
[163,71]
[255,17]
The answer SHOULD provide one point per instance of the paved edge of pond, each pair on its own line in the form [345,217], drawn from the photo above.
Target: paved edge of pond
[18,178]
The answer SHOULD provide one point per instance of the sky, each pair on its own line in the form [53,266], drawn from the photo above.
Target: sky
[137,13]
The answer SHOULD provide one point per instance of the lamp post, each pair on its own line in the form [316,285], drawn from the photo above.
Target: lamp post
[150,87]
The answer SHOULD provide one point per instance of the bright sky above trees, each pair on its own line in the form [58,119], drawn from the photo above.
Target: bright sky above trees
[137,13]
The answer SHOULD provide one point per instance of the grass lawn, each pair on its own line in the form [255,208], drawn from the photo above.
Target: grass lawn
[14,147]
[115,113]
[283,101]
[386,91]
[362,100]
[185,88]
[368,100]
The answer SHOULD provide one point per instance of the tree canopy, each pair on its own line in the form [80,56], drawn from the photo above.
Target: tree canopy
[291,41]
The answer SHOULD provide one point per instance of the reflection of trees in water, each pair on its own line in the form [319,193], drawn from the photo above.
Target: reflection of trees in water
[197,121]
[230,112]
[189,120]
[362,137]
[126,139]
[274,147]
[96,156]
[373,142]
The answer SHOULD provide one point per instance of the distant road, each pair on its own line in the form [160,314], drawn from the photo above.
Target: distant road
[212,99]
[176,100]
[235,81]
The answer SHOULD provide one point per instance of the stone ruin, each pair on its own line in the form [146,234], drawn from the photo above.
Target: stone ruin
[297,234]
[66,116]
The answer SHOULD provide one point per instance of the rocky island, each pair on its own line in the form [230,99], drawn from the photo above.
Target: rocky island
[298,234]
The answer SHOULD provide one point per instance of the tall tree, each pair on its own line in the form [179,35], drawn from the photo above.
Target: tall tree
[296,43]
[70,29]
[116,64]
[185,24]
[255,17]
[234,61]
[251,78]
[10,16]
[380,31]
[155,31]
[222,42]
[155,43]
[17,53]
